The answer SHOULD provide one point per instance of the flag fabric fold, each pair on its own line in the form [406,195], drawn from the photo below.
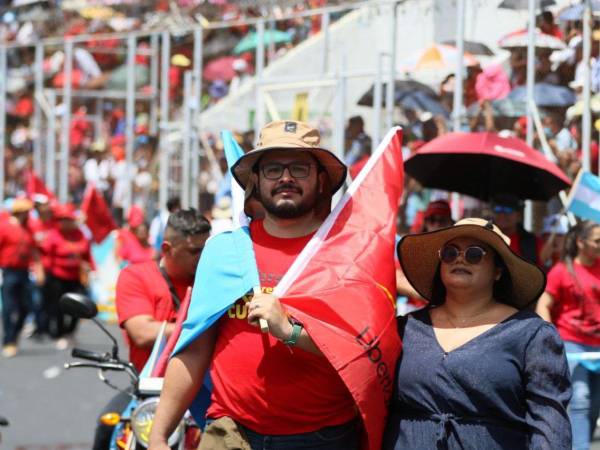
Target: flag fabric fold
[340,287]
[584,198]
[98,217]
[345,293]
[161,364]
[35,185]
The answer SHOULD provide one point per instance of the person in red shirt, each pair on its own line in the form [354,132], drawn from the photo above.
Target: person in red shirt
[572,302]
[40,225]
[69,261]
[508,216]
[149,293]
[17,255]
[276,387]
[132,245]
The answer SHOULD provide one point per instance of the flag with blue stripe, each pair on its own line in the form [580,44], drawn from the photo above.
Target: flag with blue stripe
[585,197]
[226,272]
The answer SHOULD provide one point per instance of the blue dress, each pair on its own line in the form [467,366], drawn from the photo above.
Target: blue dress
[507,388]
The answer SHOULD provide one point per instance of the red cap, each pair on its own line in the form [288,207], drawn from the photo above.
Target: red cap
[135,217]
[64,211]
[438,208]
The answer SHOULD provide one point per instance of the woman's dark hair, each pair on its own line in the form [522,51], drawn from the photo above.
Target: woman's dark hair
[581,230]
[502,288]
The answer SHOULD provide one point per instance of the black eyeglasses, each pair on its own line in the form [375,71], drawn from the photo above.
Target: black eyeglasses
[473,254]
[274,170]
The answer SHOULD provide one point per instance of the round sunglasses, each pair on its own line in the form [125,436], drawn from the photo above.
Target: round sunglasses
[472,254]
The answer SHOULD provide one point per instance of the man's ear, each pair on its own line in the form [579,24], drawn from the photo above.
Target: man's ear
[165,247]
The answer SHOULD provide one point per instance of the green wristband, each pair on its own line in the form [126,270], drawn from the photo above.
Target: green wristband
[296,330]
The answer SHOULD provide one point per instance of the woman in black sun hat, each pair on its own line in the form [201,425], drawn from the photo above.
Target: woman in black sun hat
[478,370]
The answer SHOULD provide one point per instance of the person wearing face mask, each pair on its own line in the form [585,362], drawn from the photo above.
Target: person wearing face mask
[479,370]
[572,302]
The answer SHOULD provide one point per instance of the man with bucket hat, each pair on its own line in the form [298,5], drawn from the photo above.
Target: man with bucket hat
[274,387]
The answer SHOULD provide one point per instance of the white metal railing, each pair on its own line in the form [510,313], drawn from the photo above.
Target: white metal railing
[47,154]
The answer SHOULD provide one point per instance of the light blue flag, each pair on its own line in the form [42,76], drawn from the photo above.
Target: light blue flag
[585,197]
[226,272]
[227,268]
[589,360]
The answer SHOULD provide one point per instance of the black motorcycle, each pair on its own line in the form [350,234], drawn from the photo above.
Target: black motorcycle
[132,425]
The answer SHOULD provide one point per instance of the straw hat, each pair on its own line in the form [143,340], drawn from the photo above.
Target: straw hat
[418,255]
[180,60]
[290,135]
[21,205]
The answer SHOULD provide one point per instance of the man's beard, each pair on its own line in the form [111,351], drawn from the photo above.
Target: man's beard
[289,209]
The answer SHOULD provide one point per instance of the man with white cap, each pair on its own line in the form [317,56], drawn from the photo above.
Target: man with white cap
[274,387]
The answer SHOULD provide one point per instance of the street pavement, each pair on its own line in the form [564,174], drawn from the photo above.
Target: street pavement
[50,408]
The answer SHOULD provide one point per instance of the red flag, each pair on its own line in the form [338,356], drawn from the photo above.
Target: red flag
[97,214]
[161,365]
[35,185]
[345,294]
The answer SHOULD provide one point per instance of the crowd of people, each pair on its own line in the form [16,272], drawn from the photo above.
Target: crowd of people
[478,368]
[97,136]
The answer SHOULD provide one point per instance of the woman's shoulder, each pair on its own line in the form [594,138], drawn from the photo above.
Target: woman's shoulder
[413,317]
[532,327]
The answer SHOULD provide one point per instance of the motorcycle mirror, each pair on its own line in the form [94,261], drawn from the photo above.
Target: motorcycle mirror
[3,421]
[78,305]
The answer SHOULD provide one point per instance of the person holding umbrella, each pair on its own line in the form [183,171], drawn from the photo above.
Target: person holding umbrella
[508,216]
[478,369]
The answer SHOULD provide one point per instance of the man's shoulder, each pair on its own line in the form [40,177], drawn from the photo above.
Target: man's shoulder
[142,270]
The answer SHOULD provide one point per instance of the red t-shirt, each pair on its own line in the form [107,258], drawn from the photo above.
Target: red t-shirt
[17,248]
[515,245]
[142,290]
[40,230]
[65,252]
[132,251]
[576,310]
[257,380]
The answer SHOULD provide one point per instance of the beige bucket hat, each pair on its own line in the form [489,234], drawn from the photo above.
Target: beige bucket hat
[290,135]
[418,255]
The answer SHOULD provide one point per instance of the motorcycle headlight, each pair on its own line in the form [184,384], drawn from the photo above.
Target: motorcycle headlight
[142,418]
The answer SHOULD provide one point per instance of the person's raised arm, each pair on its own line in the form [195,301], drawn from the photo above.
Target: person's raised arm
[183,379]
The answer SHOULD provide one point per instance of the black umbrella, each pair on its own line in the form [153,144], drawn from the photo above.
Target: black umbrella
[402,88]
[524,4]
[472,47]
